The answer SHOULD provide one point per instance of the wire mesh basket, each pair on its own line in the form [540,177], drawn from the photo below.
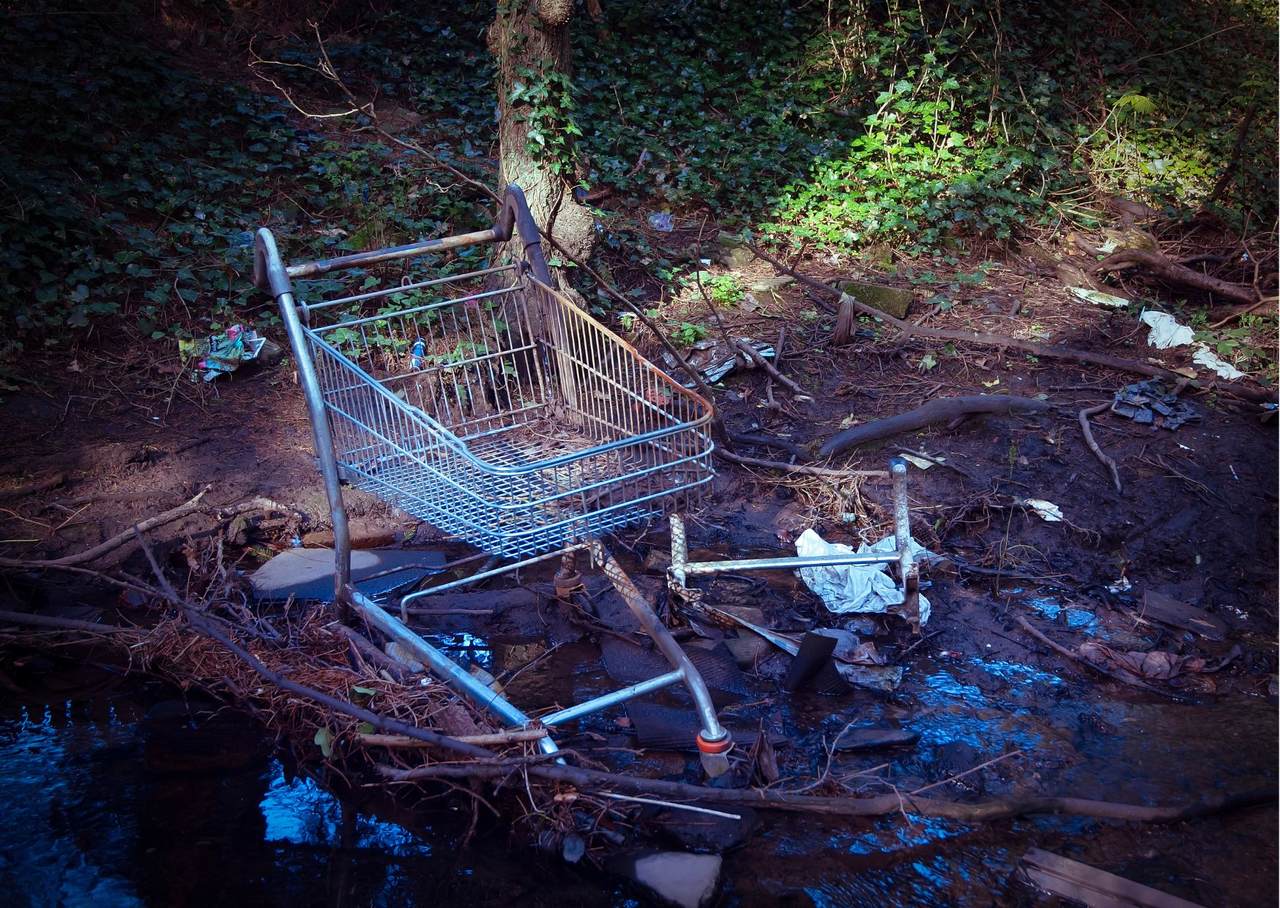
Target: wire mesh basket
[490,405]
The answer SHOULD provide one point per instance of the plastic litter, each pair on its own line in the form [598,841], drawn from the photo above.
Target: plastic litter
[223,353]
[661,221]
[1166,331]
[1211,361]
[856,588]
[1152,403]
[1098,298]
[1047,510]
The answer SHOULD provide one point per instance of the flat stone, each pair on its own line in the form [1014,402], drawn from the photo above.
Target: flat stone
[307,574]
[771,284]
[890,300]
[687,880]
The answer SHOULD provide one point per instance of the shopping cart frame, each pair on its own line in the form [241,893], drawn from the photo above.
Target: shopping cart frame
[514,223]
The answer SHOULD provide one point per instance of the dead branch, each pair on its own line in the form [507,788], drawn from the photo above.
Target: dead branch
[64,624]
[942,409]
[754,355]
[509,772]
[1167,269]
[109,545]
[1126,678]
[799,469]
[515,736]
[1107,461]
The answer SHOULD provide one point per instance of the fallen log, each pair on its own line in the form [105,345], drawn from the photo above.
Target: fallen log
[1167,269]
[943,409]
[512,772]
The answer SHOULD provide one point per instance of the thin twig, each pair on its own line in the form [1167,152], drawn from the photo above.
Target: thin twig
[1094,446]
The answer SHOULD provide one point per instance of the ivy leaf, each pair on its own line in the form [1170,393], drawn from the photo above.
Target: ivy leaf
[324,739]
[367,691]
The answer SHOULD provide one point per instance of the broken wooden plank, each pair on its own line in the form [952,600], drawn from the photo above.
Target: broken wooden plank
[1175,613]
[1095,888]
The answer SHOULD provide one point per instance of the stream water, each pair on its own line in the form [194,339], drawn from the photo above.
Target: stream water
[119,794]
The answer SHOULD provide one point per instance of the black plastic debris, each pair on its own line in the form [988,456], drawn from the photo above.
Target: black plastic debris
[1152,403]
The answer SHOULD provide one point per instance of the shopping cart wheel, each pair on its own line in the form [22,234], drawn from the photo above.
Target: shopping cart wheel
[715,755]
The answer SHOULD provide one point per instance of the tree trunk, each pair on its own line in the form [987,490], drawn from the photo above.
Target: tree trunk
[530,40]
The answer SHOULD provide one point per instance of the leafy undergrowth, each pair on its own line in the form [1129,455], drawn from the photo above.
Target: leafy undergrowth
[133,172]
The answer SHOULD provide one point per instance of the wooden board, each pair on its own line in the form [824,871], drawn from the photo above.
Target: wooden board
[1095,888]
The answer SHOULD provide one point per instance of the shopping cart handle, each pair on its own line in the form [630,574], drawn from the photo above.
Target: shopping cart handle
[515,216]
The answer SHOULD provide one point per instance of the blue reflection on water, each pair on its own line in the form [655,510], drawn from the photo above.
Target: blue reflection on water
[1016,672]
[1080,619]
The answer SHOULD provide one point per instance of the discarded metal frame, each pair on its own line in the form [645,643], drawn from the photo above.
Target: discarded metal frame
[507,417]
[908,571]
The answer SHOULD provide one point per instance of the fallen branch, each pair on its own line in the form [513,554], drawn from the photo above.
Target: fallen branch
[1108,462]
[1167,269]
[800,469]
[942,409]
[754,355]
[515,736]
[1125,678]
[110,545]
[879,805]
[63,624]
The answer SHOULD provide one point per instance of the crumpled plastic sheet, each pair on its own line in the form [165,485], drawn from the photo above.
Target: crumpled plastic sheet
[865,588]
[1166,331]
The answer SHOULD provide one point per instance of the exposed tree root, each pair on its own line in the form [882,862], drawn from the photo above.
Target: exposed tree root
[1167,269]
[1107,461]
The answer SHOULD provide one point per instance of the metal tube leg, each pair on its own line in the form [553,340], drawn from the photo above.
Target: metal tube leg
[679,553]
[902,538]
[713,741]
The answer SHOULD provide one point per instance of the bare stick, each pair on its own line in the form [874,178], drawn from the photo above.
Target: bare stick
[64,624]
[879,805]
[968,772]
[754,355]
[1131,680]
[800,469]
[941,409]
[1094,446]
[515,736]
[109,545]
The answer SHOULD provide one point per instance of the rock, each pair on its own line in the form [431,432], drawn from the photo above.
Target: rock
[688,880]
[365,534]
[732,252]
[771,284]
[870,737]
[707,833]
[890,300]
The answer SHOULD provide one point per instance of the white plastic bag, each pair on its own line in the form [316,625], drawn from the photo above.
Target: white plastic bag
[856,587]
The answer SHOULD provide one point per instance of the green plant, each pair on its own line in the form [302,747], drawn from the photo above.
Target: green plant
[544,101]
[688,333]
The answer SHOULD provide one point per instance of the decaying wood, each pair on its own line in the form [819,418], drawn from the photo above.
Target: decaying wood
[942,409]
[1081,883]
[1107,461]
[1167,269]
[511,771]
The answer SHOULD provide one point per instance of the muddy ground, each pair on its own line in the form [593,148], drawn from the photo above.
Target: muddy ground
[94,443]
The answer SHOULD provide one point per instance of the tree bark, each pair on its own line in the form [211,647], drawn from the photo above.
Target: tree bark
[533,36]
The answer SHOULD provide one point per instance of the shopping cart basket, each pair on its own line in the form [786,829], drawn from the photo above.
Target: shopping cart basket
[486,403]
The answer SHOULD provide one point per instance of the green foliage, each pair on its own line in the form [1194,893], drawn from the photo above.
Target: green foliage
[544,102]
[689,333]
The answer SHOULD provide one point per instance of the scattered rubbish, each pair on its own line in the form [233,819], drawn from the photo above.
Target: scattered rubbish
[849,648]
[813,655]
[1098,298]
[1166,331]
[573,848]
[873,737]
[1211,361]
[307,574]
[859,587]
[1152,403]
[714,360]
[875,677]
[1095,888]
[1118,586]
[687,880]
[628,663]
[920,462]
[1047,510]
[1170,611]
[661,221]
[223,353]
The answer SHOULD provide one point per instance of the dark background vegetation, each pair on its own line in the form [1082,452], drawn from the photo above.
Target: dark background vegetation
[139,150]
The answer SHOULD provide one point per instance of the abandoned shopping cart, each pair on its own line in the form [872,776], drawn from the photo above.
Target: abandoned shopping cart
[488,404]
